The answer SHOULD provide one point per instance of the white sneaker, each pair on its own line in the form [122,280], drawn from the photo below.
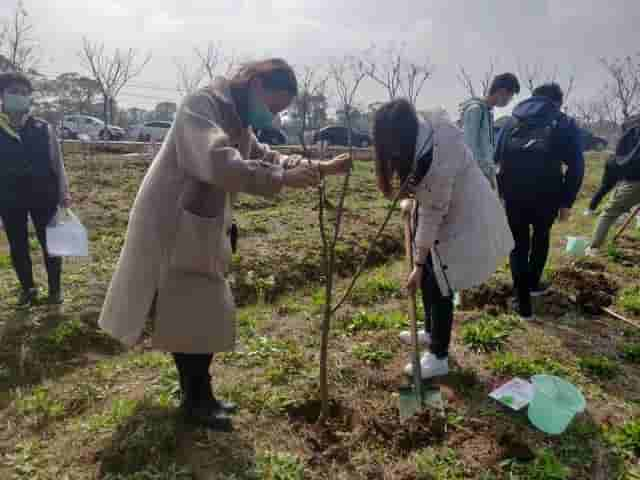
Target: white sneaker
[424,338]
[430,366]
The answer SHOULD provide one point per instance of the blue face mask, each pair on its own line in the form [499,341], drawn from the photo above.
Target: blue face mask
[16,103]
[259,116]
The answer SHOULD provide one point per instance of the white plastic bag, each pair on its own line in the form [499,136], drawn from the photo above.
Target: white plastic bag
[67,237]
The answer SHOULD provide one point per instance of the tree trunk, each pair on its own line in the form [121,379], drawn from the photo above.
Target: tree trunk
[105,108]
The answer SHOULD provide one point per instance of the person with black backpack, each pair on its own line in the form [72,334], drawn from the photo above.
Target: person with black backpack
[533,148]
[622,171]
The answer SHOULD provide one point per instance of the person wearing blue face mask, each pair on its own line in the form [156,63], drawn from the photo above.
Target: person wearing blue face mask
[33,184]
[179,240]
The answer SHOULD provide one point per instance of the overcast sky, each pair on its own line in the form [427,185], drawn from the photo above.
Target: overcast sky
[571,34]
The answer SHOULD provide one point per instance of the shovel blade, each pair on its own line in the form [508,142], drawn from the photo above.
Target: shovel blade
[411,403]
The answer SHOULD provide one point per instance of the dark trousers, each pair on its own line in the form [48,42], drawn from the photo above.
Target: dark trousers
[608,182]
[530,254]
[193,369]
[438,314]
[15,221]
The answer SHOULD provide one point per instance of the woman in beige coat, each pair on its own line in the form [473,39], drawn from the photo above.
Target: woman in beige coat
[177,249]
[460,229]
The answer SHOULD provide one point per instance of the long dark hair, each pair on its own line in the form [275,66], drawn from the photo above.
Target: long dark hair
[395,130]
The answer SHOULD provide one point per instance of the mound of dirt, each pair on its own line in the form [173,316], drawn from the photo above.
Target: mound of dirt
[592,290]
[420,431]
[492,296]
[555,304]
[346,428]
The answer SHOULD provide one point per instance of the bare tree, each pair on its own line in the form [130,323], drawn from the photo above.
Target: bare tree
[112,72]
[189,78]
[347,76]
[466,80]
[415,75]
[532,75]
[21,48]
[587,112]
[624,88]
[396,72]
[385,68]
[313,87]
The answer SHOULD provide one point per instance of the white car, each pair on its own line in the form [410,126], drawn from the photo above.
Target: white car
[75,125]
[149,131]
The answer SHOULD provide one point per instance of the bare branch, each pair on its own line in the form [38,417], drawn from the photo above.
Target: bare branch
[385,68]
[189,79]
[415,77]
[210,59]
[312,94]
[535,74]
[625,85]
[466,81]
[22,47]
[111,72]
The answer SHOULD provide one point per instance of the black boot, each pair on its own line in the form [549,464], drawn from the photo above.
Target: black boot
[28,297]
[198,413]
[208,398]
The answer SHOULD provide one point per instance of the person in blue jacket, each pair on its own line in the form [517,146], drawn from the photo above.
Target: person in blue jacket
[541,167]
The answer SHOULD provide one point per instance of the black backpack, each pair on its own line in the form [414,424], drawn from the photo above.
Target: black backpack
[525,157]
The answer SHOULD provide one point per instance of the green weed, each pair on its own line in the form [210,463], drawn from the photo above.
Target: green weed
[627,438]
[363,321]
[509,364]
[279,466]
[545,467]
[614,254]
[5,261]
[599,366]
[368,353]
[121,410]
[145,441]
[631,352]
[630,300]
[41,405]
[486,334]
[62,338]
[375,289]
[433,464]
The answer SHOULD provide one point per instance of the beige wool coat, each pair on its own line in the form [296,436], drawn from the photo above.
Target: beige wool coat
[177,248]
[460,219]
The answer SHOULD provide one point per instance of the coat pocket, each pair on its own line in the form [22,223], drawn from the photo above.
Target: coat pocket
[200,245]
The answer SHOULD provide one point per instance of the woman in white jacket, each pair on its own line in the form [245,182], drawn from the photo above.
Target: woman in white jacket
[460,229]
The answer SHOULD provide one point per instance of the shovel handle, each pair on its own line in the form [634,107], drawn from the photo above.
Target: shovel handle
[633,214]
[408,244]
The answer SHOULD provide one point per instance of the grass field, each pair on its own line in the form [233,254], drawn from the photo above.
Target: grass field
[74,405]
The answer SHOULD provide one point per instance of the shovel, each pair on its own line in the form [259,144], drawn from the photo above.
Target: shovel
[412,399]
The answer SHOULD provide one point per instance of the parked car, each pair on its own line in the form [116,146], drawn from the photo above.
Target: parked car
[75,125]
[272,136]
[113,133]
[339,136]
[591,141]
[148,131]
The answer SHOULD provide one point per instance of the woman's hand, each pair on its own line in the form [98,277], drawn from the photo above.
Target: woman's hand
[302,176]
[340,165]
[66,202]
[413,282]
